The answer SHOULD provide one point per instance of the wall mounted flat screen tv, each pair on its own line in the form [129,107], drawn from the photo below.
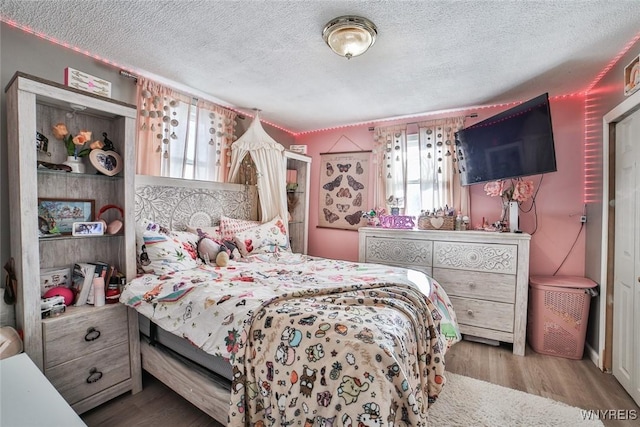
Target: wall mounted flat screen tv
[517,142]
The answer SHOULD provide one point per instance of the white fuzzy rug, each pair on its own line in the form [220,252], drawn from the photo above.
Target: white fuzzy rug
[469,402]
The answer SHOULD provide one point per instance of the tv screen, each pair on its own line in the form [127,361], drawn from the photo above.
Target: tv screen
[517,142]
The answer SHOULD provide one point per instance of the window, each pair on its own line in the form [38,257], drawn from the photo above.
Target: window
[418,171]
[414,193]
[182,137]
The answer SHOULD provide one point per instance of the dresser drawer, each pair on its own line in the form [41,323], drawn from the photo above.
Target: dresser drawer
[400,252]
[493,258]
[88,375]
[479,285]
[74,335]
[484,314]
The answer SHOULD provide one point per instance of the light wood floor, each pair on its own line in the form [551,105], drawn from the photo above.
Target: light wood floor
[574,382]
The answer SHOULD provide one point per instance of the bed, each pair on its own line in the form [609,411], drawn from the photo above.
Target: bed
[277,338]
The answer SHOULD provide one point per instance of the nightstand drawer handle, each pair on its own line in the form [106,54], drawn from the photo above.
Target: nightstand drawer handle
[472,285]
[94,375]
[92,334]
[470,312]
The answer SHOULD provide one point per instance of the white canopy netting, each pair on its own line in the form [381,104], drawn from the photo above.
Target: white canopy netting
[267,156]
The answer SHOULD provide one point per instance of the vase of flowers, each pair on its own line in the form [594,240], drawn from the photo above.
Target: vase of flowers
[512,193]
[75,146]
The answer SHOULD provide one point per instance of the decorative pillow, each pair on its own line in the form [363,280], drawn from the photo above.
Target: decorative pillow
[229,227]
[268,237]
[162,251]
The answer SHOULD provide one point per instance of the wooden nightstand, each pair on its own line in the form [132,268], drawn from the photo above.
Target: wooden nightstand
[87,354]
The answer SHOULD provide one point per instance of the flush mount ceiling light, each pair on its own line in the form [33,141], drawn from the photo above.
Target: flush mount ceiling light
[350,35]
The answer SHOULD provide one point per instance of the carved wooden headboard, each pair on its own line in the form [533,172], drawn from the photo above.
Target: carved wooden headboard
[176,203]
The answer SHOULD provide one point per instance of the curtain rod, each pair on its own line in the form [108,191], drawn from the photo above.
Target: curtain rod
[472,116]
[129,75]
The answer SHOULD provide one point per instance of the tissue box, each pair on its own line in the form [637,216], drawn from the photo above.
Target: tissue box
[54,277]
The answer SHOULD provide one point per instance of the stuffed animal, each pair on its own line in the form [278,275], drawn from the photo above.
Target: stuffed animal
[208,249]
[232,249]
[216,252]
[222,259]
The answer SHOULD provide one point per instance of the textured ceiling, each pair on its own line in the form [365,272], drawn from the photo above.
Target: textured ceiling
[429,55]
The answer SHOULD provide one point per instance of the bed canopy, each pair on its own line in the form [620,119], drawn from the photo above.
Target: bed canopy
[267,156]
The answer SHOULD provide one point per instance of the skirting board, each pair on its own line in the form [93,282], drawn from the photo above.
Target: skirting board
[206,390]
[481,340]
[593,355]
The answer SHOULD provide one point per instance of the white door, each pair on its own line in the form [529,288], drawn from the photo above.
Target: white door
[626,288]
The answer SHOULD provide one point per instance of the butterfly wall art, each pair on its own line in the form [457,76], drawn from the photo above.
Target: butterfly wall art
[344,193]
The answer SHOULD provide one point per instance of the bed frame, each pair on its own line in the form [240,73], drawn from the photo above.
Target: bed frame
[177,203]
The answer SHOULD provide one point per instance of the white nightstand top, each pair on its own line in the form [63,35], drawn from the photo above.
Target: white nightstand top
[27,398]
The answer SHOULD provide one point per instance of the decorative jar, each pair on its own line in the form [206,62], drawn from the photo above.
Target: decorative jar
[76,164]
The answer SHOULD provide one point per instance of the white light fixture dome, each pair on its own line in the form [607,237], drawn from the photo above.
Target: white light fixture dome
[350,35]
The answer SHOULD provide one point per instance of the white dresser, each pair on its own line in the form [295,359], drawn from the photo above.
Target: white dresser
[485,274]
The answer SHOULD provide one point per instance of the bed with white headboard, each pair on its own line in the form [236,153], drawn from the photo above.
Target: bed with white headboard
[307,317]
[178,203]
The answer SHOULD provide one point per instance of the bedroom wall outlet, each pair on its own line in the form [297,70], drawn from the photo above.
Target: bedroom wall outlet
[583,219]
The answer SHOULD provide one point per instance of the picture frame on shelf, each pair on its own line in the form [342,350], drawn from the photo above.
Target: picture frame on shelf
[106,162]
[80,80]
[89,228]
[56,216]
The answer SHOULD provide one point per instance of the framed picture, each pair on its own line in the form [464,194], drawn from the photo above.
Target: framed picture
[94,228]
[106,162]
[58,215]
[344,191]
[83,81]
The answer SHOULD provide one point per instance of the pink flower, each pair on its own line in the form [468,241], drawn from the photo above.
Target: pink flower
[96,145]
[518,190]
[494,188]
[522,190]
[60,131]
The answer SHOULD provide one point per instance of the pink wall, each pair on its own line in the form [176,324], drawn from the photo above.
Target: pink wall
[559,202]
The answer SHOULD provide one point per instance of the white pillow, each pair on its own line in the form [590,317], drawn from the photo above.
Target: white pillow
[162,251]
[268,237]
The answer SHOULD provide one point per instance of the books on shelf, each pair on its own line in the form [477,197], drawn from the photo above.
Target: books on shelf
[81,281]
[103,270]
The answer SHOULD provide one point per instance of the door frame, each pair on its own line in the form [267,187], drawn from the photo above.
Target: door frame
[609,121]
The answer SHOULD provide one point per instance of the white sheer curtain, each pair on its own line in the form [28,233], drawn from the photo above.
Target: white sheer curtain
[420,173]
[390,148]
[439,181]
[181,137]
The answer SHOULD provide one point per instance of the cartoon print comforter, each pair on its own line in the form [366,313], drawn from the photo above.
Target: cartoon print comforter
[313,342]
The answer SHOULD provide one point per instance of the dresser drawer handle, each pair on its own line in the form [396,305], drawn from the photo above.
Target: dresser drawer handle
[94,375]
[472,285]
[92,334]
[470,312]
